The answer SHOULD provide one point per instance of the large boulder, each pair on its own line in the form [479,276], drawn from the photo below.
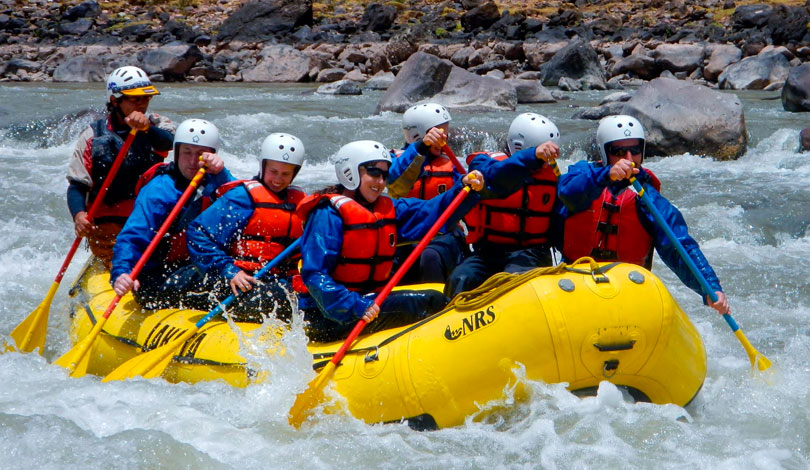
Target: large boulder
[637,65]
[173,60]
[531,91]
[482,16]
[720,57]
[84,68]
[259,20]
[280,63]
[378,17]
[681,117]
[422,76]
[755,72]
[796,92]
[467,91]
[577,60]
[679,57]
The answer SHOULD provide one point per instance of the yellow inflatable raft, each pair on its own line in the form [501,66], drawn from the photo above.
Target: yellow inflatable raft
[579,324]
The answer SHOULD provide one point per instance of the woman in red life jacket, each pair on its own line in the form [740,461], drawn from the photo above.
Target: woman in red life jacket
[128,94]
[249,224]
[512,228]
[605,220]
[350,235]
[169,279]
[422,170]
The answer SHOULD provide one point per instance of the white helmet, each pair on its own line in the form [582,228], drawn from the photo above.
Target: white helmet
[197,132]
[285,148]
[418,119]
[130,81]
[352,155]
[530,130]
[620,127]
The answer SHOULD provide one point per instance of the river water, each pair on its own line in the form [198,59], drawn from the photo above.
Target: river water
[751,217]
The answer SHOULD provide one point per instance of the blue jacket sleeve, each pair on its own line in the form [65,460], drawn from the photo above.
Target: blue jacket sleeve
[407,168]
[504,177]
[668,252]
[213,231]
[320,246]
[160,139]
[415,216]
[152,205]
[583,183]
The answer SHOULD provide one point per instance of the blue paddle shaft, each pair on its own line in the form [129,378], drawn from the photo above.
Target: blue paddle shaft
[679,247]
[267,267]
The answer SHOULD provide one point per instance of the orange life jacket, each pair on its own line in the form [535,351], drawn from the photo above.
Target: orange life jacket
[521,219]
[436,177]
[271,228]
[610,230]
[369,240]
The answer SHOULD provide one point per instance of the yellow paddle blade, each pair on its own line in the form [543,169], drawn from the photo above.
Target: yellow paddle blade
[77,359]
[309,398]
[757,359]
[30,333]
[151,364]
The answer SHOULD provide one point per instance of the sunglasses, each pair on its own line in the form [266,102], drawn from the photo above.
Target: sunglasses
[620,151]
[375,172]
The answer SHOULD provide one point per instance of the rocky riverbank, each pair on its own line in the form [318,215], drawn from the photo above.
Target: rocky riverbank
[468,54]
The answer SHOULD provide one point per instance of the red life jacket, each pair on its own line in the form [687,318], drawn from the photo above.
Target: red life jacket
[523,218]
[369,240]
[272,227]
[610,230]
[436,177]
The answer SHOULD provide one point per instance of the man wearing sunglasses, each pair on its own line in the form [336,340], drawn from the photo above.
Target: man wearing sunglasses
[605,220]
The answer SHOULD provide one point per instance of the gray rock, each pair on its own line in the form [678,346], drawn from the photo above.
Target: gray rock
[83,10]
[681,117]
[330,75]
[80,69]
[804,140]
[76,28]
[577,60]
[598,112]
[678,57]
[341,87]
[173,60]
[280,63]
[569,84]
[638,65]
[422,76]
[13,65]
[796,90]
[721,56]
[531,91]
[261,19]
[755,72]
[380,81]
[618,97]
[467,91]
[538,53]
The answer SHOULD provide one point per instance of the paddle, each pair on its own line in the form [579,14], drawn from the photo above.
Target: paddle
[310,397]
[757,359]
[77,358]
[30,333]
[151,364]
[452,156]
